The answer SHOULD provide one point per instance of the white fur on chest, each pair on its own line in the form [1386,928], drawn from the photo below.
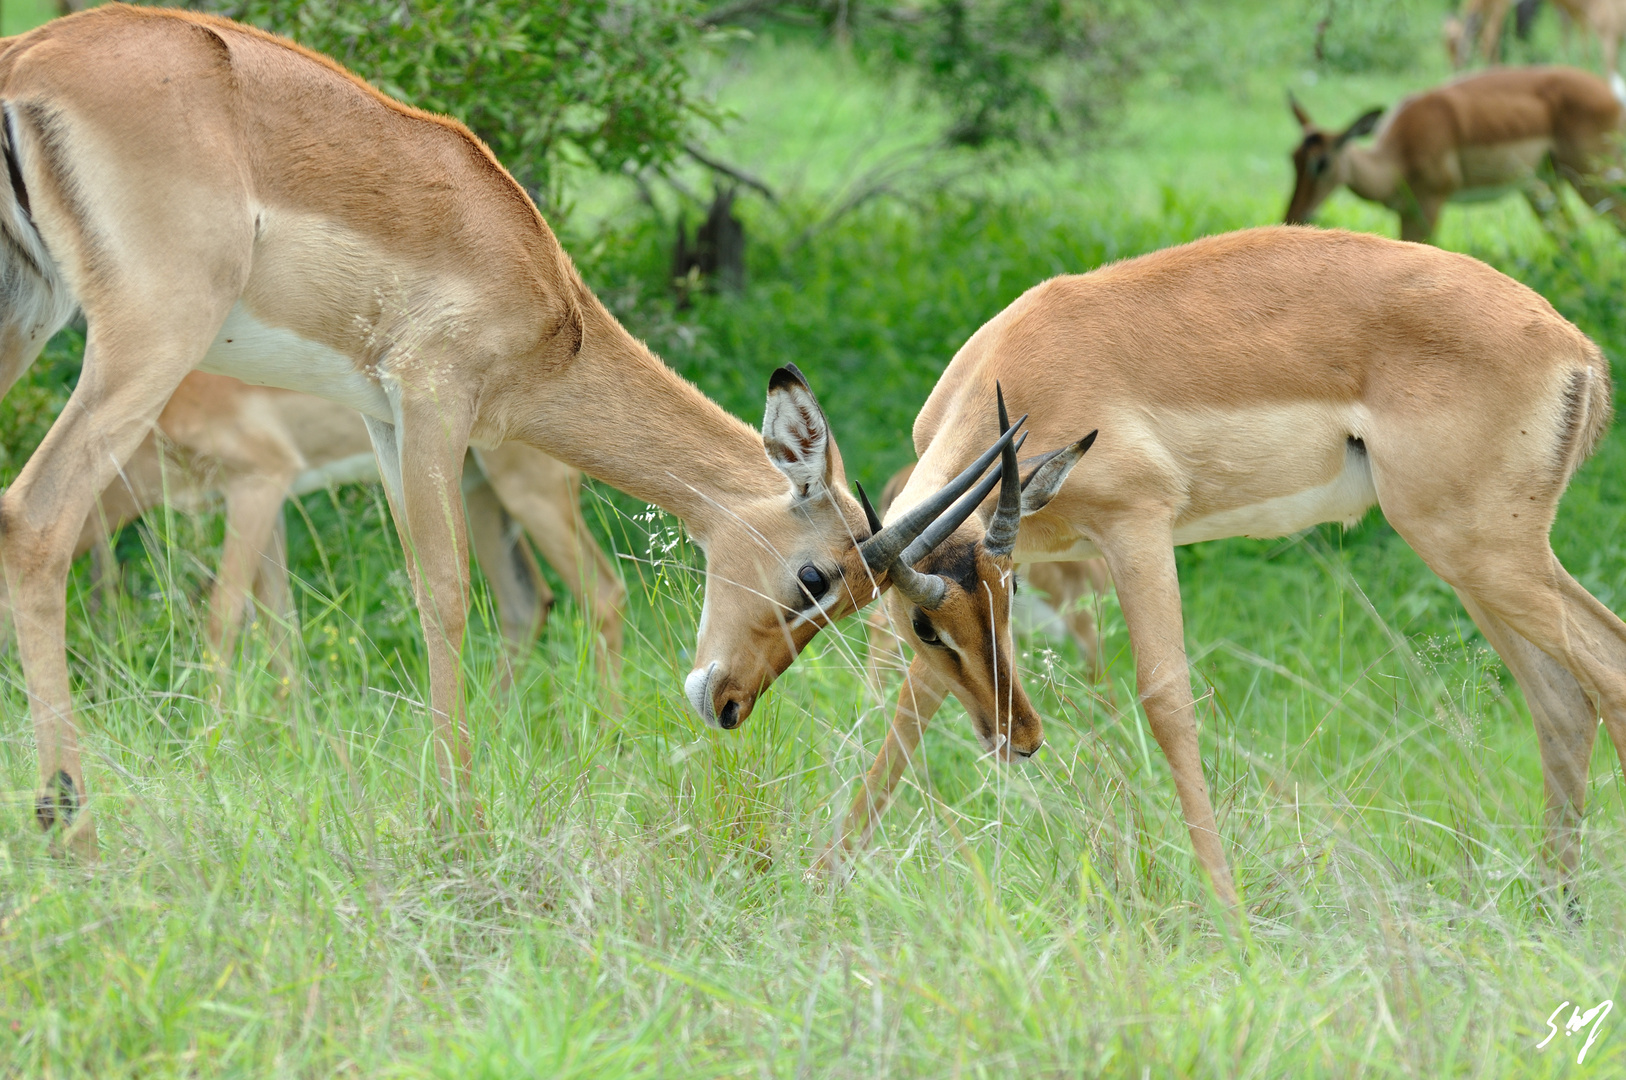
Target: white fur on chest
[263,355]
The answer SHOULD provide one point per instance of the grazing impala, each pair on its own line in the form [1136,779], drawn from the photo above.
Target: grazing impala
[214,197]
[1234,400]
[255,446]
[1474,138]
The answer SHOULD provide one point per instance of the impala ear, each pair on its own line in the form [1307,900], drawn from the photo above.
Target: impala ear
[797,436]
[1044,481]
[1298,112]
[1363,126]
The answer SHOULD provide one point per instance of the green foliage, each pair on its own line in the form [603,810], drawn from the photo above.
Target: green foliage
[275,898]
[599,84]
[1006,74]
[1373,35]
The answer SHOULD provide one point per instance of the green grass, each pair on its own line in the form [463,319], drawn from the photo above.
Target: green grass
[272,900]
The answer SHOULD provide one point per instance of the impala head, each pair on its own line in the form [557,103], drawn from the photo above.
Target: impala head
[953,601]
[1320,163]
[786,566]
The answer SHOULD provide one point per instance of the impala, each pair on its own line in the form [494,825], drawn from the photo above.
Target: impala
[214,197]
[1472,139]
[1234,400]
[255,446]
[1479,26]
[961,604]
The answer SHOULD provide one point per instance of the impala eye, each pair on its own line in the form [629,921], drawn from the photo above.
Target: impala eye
[1319,166]
[813,580]
[924,629]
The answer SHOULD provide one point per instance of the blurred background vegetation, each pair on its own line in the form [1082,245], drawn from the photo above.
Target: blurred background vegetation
[899,172]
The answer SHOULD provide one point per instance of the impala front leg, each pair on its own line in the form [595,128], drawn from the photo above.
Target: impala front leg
[918,701]
[421,459]
[1141,560]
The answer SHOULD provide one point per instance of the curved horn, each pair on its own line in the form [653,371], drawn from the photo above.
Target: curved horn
[870,515]
[927,590]
[1001,537]
[944,526]
[881,551]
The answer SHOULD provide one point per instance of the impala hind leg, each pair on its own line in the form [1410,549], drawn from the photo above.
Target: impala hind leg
[421,459]
[1566,723]
[919,698]
[127,377]
[1140,559]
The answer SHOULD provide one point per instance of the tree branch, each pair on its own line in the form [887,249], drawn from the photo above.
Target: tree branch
[729,171]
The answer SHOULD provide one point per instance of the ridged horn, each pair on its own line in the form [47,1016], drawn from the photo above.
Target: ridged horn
[1001,537]
[952,518]
[881,551]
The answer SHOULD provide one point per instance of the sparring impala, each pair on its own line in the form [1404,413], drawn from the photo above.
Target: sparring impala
[1471,139]
[256,446]
[1233,400]
[214,197]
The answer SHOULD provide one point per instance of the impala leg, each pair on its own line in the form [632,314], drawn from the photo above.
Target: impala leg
[421,458]
[253,511]
[1566,723]
[276,598]
[918,701]
[544,495]
[122,388]
[1141,561]
[520,592]
[1418,220]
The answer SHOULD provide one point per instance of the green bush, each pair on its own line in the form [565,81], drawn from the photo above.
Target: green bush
[595,84]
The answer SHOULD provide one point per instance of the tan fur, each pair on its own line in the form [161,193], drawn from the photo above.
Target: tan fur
[253,445]
[1223,383]
[1474,136]
[185,178]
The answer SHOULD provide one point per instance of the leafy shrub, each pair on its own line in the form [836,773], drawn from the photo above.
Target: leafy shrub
[1371,35]
[600,84]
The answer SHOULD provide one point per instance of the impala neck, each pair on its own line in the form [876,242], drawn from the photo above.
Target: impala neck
[621,415]
[1370,174]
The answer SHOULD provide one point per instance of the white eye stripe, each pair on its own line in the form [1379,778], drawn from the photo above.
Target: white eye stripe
[822,607]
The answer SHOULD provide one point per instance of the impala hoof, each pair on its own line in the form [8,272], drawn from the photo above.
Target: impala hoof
[58,804]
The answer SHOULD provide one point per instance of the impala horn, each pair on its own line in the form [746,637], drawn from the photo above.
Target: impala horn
[932,522]
[1000,539]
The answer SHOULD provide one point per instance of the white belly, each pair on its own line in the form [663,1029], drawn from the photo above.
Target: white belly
[1489,171]
[262,355]
[1346,498]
